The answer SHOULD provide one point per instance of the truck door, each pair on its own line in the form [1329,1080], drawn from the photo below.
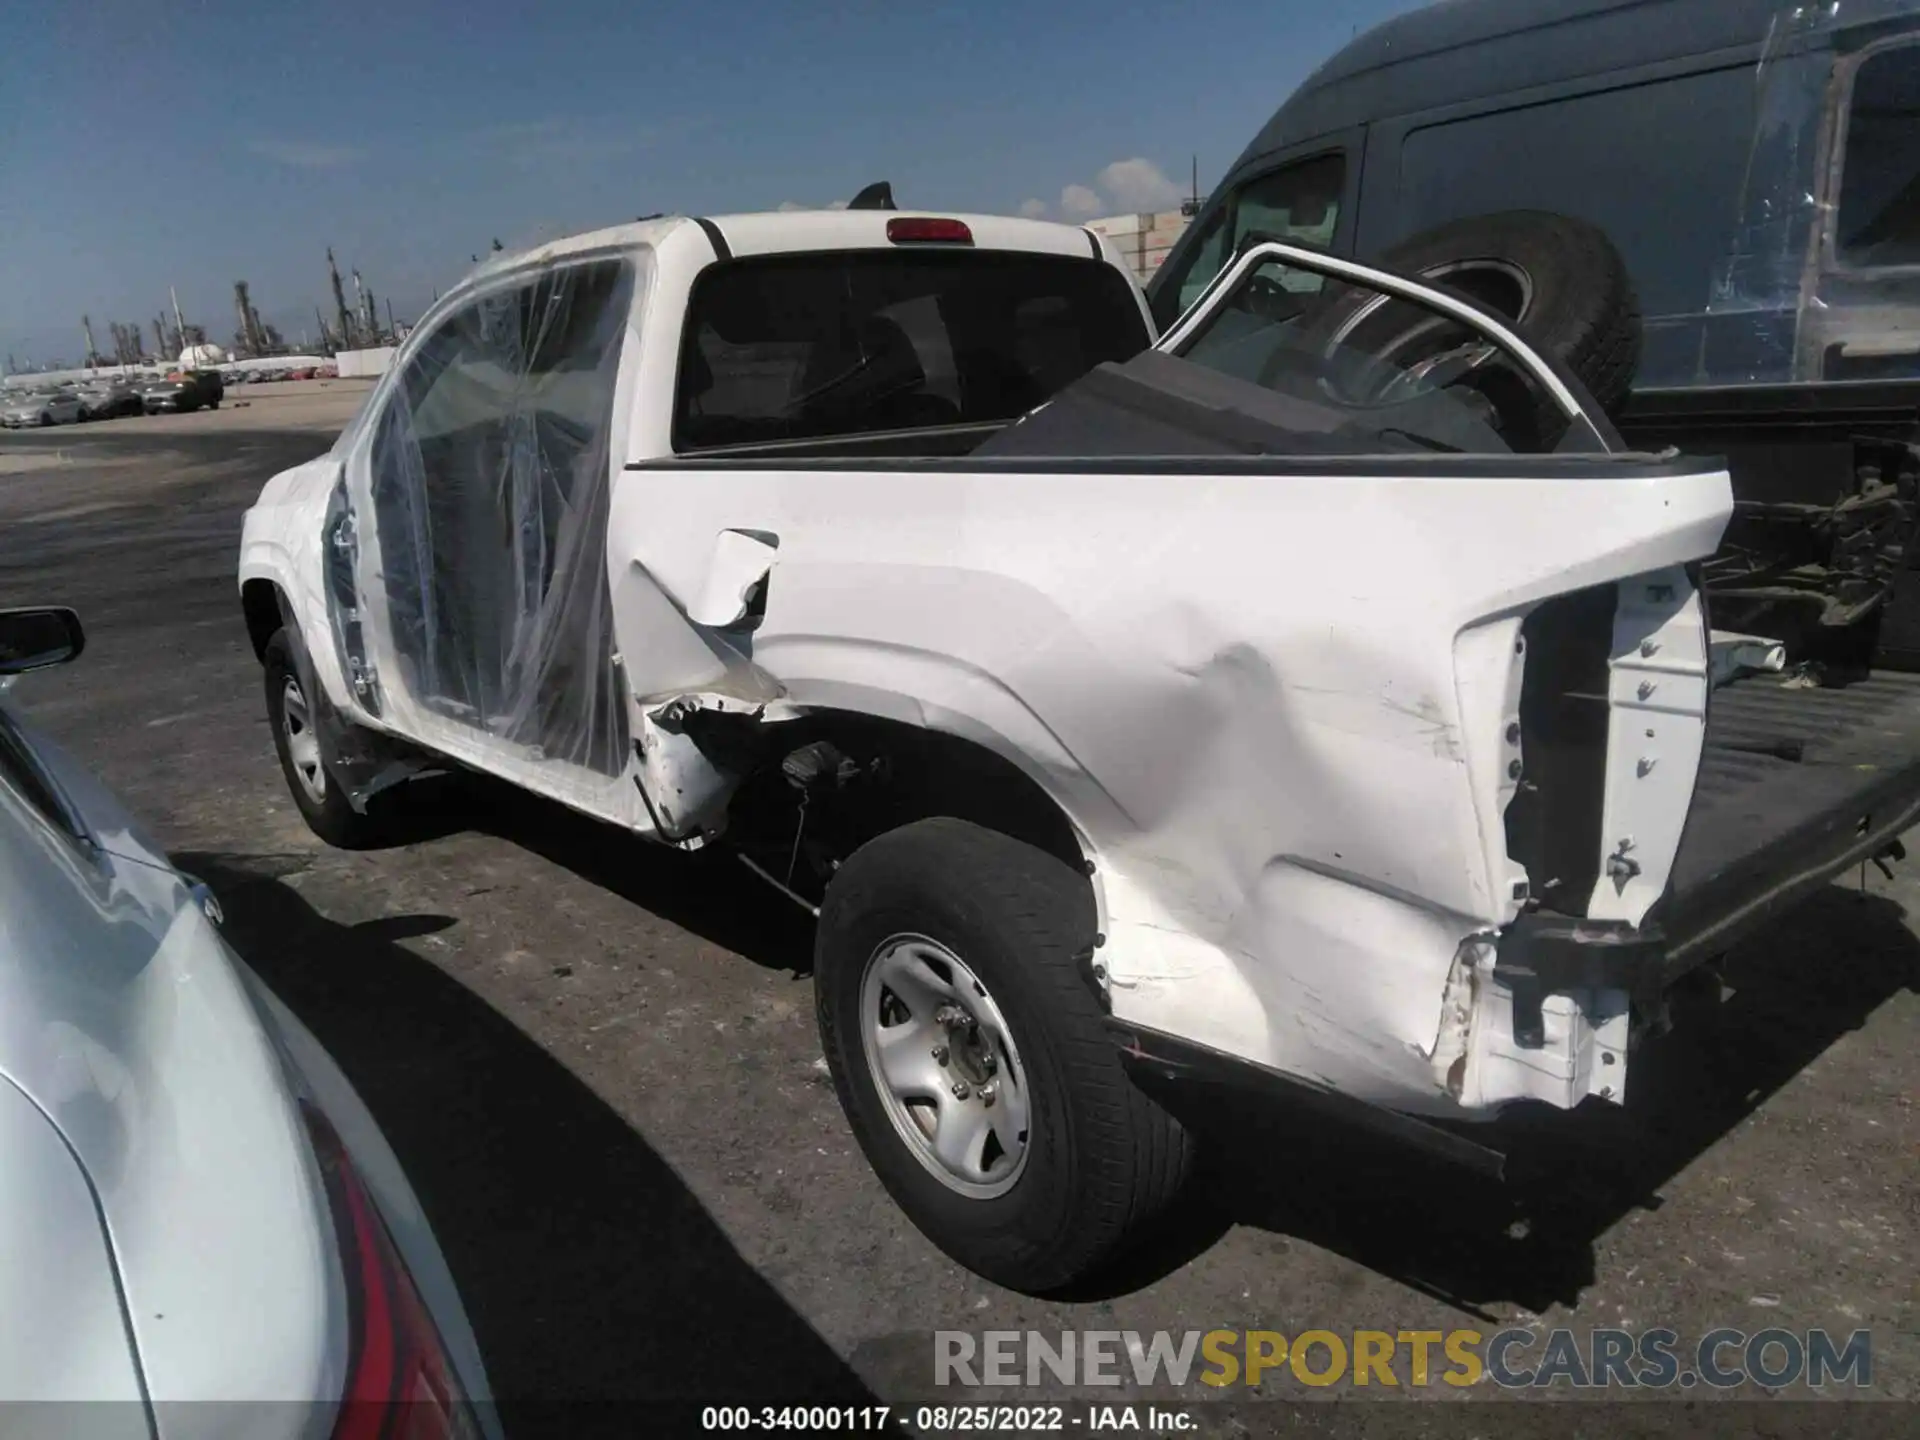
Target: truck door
[479,492]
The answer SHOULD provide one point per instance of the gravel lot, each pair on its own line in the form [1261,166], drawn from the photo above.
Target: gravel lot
[598,1061]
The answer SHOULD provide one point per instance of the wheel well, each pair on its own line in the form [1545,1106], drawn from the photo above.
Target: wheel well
[260,603]
[879,775]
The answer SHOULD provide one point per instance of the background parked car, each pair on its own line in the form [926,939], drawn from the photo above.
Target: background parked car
[198,1207]
[110,399]
[42,407]
[184,390]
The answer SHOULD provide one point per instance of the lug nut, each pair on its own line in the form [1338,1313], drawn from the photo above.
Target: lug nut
[960,1090]
[940,1055]
[949,1015]
[988,1093]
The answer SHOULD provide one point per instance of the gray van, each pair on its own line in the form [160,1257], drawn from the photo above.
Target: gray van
[1757,166]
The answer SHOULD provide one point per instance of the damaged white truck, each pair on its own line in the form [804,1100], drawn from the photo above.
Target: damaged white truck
[1321,696]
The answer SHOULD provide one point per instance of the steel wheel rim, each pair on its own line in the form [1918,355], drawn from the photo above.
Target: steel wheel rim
[954,1089]
[303,744]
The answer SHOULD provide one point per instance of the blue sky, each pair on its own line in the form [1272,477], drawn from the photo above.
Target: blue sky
[173,142]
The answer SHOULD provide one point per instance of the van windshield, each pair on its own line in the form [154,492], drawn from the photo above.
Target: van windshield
[815,346]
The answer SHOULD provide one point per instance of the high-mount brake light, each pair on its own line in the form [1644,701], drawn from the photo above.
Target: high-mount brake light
[926,230]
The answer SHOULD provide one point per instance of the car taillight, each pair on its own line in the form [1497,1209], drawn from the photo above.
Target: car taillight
[400,1384]
[925,230]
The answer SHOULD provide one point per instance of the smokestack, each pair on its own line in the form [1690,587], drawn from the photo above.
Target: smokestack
[363,309]
[339,301]
[243,333]
[86,328]
[179,324]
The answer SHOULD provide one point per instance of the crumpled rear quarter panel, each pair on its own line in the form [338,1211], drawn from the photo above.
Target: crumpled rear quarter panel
[1271,701]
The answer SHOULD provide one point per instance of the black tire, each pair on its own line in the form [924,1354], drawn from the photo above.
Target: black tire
[1102,1159]
[1577,303]
[331,816]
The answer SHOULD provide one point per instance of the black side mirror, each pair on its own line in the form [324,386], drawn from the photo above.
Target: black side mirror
[37,639]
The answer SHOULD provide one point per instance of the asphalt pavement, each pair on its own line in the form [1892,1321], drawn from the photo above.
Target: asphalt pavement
[597,1061]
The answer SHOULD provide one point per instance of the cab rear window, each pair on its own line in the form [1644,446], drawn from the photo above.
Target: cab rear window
[813,347]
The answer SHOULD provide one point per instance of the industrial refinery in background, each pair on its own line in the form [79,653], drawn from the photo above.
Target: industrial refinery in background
[170,338]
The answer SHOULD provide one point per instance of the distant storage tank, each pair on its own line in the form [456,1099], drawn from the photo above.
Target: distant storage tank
[197,355]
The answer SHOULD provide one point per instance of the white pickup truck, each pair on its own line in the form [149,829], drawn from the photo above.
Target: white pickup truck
[1319,697]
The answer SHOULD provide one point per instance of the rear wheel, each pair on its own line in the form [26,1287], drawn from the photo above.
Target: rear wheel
[972,1058]
[298,740]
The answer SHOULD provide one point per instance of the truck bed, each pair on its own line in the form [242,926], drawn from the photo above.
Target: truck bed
[1795,786]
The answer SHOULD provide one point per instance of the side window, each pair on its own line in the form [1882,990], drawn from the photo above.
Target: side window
[1208,257]
[1879,220]
[1299,204]
[490,475]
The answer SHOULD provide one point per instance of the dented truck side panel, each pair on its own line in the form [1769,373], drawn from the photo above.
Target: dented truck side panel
[1289,758]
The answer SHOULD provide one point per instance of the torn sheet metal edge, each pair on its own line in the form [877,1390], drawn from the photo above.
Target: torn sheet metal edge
[684,789]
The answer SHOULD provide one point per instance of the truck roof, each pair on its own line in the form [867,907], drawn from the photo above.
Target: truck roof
[783,231]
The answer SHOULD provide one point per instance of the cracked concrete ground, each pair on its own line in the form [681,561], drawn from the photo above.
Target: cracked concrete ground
[598,1062]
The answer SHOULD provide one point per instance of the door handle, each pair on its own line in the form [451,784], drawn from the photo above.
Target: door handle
[741,560]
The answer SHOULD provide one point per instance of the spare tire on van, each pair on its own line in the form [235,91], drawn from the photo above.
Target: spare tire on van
[1556,280]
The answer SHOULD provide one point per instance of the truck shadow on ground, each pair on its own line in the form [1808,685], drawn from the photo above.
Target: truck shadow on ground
[1466,1240]
[708,892]
[590,1272]
[1475,1242]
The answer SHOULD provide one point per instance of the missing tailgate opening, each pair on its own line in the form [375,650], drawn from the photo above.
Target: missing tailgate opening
[1553,823]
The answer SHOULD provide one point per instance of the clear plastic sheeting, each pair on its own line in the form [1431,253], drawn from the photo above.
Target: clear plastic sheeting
[1821,278]
[487,487]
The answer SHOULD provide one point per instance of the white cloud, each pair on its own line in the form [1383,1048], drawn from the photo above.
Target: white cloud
[787,207]
[1138,185]
[1126,187]
[305,154]
[1080,201]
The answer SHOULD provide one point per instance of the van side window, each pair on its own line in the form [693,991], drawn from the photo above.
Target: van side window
[1879,220]
[1300,203]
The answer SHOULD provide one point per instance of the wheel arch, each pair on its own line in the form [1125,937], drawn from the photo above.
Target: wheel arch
[919,771]
[262,602]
